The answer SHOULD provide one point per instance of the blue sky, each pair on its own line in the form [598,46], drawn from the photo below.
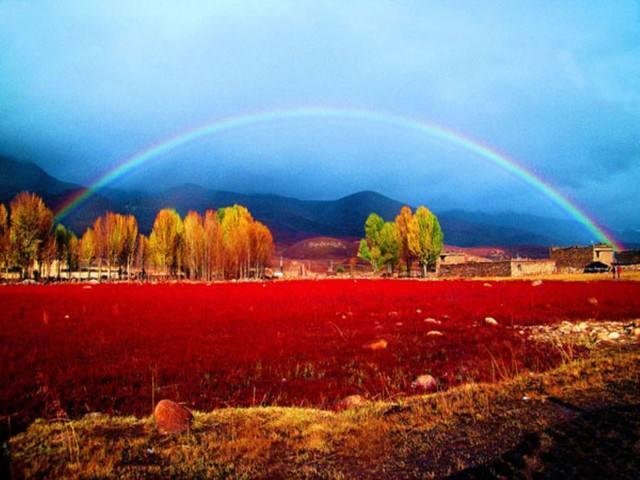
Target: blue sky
[555,85]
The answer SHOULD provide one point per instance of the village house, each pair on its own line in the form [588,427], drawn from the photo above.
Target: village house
[575,259]
[451,258]
[628,259]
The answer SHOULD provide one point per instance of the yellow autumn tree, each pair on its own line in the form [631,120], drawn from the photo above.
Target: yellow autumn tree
[261,245]
[407,228]
[166,240]
[143,254]
[100,238]
[30,227]
[235,222]
[5,249]
[87,250]
[127,253]
[214,246]
[194,245]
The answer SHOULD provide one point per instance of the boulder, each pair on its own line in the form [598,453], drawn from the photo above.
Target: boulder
[377,345]
[434,333]
[536,283]
[172,418]
[432,320]
[425,383]
[490,321]
[352,401]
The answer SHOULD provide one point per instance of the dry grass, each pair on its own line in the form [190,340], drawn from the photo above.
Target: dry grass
[421,437]
[630,275]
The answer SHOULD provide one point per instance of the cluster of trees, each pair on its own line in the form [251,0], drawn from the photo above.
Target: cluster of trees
[411,237]
[227,243]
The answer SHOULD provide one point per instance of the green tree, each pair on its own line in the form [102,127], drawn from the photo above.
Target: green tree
[369,248]
[427,241]
[390,246]
[381,245]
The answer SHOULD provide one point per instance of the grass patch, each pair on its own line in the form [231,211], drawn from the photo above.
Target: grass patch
[471,426]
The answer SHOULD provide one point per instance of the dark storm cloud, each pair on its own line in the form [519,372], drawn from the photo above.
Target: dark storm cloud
[555,85]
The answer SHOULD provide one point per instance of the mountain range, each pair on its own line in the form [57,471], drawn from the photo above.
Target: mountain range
[292,219]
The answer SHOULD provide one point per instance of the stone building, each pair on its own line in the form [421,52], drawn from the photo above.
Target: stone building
[450,258]
[516,267]
[575,259]
[628,259]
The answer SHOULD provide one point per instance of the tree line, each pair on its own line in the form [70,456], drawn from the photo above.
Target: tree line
[220,244]
[411,237]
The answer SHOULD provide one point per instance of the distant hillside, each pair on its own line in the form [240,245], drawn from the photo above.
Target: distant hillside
[292,219]
[18,176]
[322,248]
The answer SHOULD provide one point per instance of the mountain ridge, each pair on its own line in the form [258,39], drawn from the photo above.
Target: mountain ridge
[291,219]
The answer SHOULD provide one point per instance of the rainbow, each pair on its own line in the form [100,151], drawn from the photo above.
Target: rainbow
[243,120]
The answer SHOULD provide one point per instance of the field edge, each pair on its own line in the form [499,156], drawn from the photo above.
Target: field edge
[428,436]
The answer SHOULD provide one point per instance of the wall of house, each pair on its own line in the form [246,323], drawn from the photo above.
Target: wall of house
[604,255]
[628,257]
[571,259]
[521,268]
[476,269]
[452,258]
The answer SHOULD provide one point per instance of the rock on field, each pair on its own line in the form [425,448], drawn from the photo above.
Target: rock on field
[172,418]
[434,333]
[426,383]
[377,345]
[490,321]
[352,401]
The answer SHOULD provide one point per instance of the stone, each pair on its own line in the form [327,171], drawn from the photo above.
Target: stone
[580,327]
[377,345]
[425,383]
[487,285]
[172,418]
[434,333]
[490,321]
[352,401]
[613,336]
[636,331]
[592,300]
[432,320]
[536,283]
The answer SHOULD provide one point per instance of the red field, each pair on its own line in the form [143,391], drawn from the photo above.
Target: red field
[77,349]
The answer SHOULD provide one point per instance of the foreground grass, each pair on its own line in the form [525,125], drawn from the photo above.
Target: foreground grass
[507,429]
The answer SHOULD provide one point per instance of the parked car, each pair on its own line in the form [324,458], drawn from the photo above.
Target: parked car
[597,267]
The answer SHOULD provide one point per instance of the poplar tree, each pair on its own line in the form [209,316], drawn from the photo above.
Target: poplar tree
[30,226]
